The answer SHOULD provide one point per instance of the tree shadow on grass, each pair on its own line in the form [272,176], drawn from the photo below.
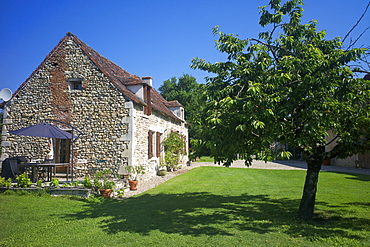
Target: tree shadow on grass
[203,213]
[356,176]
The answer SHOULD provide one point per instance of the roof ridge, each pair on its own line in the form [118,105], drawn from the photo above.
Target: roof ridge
[118,76]
[109,68]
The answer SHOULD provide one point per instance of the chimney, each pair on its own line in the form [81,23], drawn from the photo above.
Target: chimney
[148,80]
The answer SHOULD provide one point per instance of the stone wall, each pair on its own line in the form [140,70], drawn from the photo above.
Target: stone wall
[115,130]
[156,123]
[96,110]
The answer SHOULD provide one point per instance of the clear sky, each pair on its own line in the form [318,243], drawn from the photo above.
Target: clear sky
[155,38]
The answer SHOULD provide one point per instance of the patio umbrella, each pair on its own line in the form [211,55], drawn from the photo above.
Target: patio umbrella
[43,130]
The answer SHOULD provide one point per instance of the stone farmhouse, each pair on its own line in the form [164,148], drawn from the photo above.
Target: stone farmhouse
[124,120]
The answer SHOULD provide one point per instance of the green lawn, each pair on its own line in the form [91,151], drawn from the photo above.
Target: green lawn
[207,206]
[206,159]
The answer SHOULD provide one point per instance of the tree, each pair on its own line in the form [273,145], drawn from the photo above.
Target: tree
[289,85]
[188,92]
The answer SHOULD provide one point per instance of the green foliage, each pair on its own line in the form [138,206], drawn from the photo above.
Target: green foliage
[5,182]
[23,181]
[75,183]
[108,185]
[121,193]
[39,183]
[189,93]
[54,182]
[87,183]
[290,85]
[135,171]
[71,184]
[101,180]
[174,147]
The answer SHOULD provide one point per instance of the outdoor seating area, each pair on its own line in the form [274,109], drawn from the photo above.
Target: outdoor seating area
[36,170]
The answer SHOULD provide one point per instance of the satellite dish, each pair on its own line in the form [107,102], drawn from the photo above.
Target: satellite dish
[5,94]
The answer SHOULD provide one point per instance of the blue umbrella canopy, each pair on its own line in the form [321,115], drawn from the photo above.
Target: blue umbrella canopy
[43,130]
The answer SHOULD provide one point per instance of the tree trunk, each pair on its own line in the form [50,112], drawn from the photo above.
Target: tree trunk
[307,205]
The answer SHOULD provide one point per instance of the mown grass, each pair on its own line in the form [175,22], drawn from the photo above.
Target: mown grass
[206,159]
[207,206]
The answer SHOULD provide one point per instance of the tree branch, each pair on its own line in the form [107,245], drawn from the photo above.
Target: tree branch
[359,20]
[327,144]
[354,42]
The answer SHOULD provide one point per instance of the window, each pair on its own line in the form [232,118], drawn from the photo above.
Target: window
[150,144]
[75,84]
[148,100]
[158,144]
[154,141]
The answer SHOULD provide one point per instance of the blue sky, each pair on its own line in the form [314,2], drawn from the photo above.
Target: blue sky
[155,38]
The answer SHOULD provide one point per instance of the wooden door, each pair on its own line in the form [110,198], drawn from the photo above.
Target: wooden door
[62,153]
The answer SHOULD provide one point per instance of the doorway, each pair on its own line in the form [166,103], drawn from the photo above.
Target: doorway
[62,153]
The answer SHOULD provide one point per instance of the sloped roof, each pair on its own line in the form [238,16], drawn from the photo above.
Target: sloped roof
[160,104]
[173,103]
[118,76]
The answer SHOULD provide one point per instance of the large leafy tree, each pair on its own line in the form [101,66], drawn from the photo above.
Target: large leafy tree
[289,85]
[189,93]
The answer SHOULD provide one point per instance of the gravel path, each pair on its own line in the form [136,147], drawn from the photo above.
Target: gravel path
[279,165]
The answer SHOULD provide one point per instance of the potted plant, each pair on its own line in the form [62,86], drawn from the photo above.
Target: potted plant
[162,171]
[107,188]
[102,183]
[135,171]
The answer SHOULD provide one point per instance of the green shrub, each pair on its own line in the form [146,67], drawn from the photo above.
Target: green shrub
[86,183]
[9,192]
[5,182]
[54,182]
[39,183]
[174,146]
[23,181]
[100,181]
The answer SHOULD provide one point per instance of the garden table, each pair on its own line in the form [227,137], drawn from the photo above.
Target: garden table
[50,169]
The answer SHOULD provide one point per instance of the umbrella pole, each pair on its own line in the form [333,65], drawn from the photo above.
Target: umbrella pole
[72,156]
[73,140]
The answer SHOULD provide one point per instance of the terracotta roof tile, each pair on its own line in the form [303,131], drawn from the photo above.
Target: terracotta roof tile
[173,103]
[118,76]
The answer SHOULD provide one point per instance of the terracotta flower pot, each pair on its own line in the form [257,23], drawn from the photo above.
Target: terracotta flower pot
[106,193]
[133,184]
[162,173]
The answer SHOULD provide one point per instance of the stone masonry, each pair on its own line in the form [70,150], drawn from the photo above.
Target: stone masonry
[111,118]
